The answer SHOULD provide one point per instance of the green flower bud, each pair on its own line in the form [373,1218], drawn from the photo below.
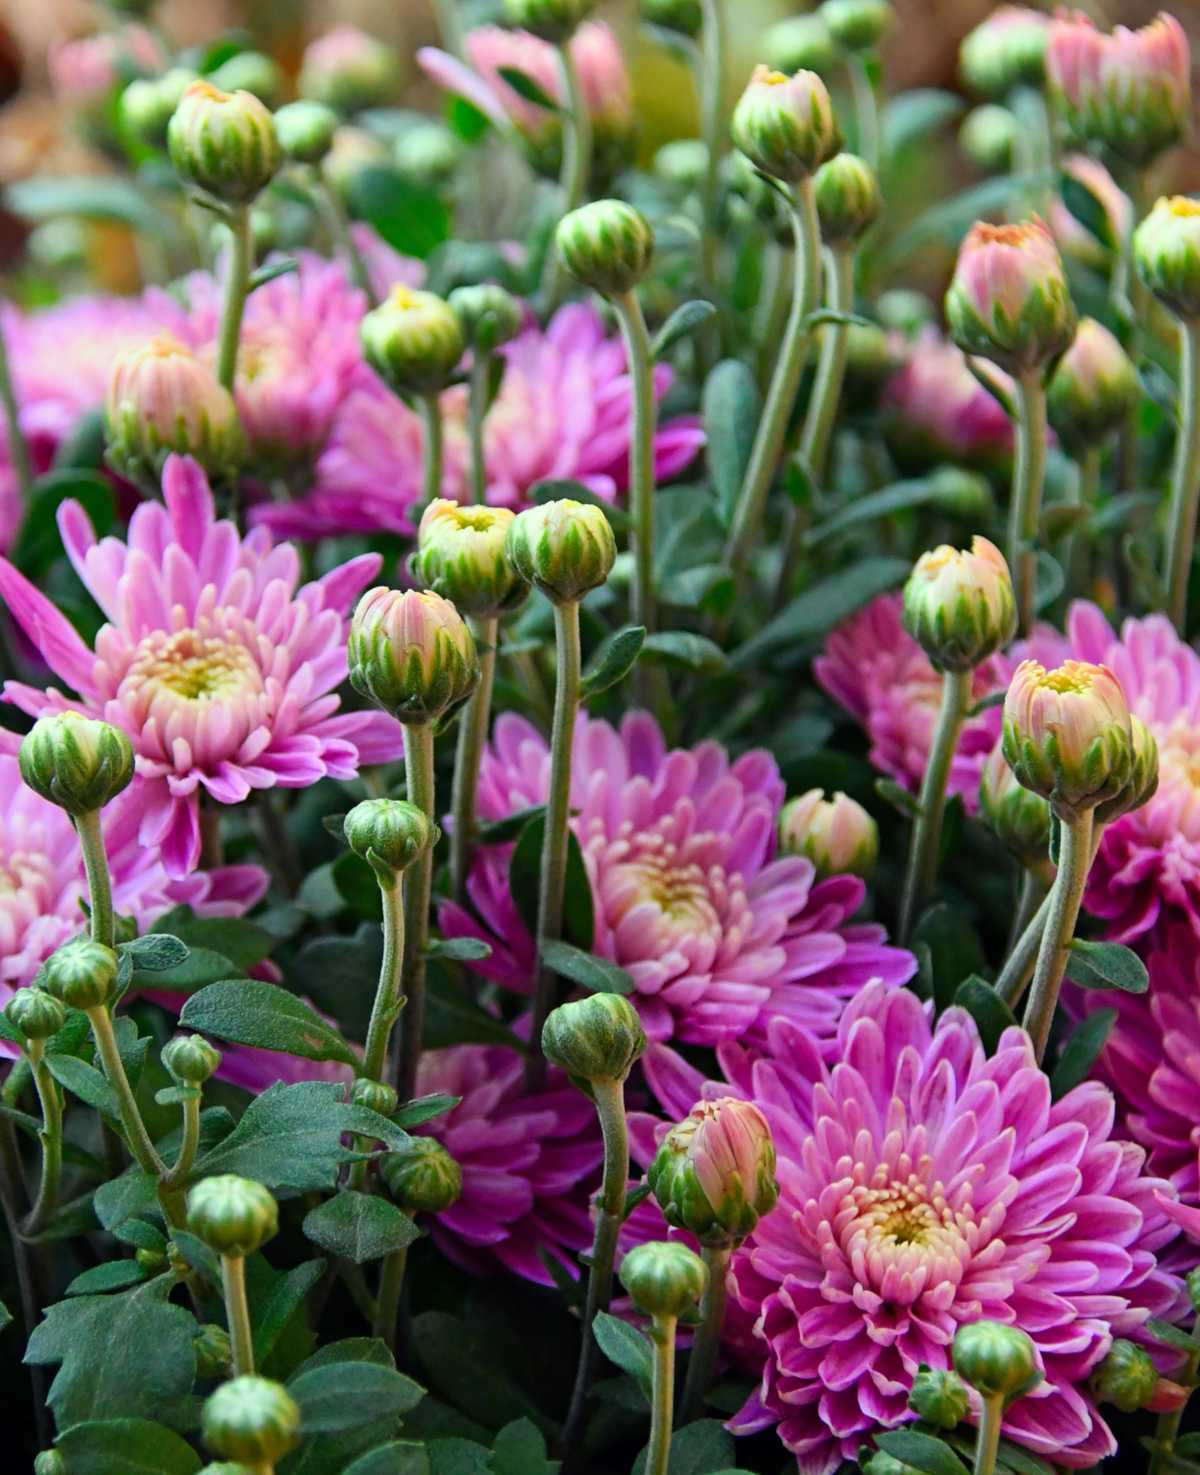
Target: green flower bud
[1019,818]
[837,835]
[151,1261]
[1093,388]
[1143,775]
[223,143]
[997,1361]
[352,151]
[962,493]
[422,1177]
[253,72]
[1126,1378]
[857,25]
[147,104]
[348,70]
[232,1215]
[566,548]
[376,1096]
[959,607]
[682,162]
[190,1059]
[987,137]
[870,361]
[784,125]
[411,654]
[714,1173]
[49,1462]
[939,1396]
[597,1039]
[389,834]
[82,974]
[305,130]
[252,1419]
[801,43]
[428,155]
[848,199]
[413,341]
[462,554]
[606,245]
[1005,51]
[682,16]
[76,762]
[664,1278]
[1166,252]
[35,1014]
[905,311]
[489,315]
[214,1351]
[552,20]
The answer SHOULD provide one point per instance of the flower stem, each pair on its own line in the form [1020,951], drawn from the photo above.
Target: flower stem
[342,238]
[51,1137]
[552,885]
[641,455]
[772,428]
[18,447]
[927,829]
[610,1107]
[431,448]
[188,1145]
[1066,897]
[99,881]
[708,1336]
[713,53]
[1167,1429]
[389,997]
[387,1307]
[770,311]
[131,1118]
[1032,892]
[987,1441]
[418,768]
[658,1452]
[866,107]
[576,164]
[1185,479]
[1076,562]
[236,285]
[1025,509]
[472,735]
[237,1313]
[477,408]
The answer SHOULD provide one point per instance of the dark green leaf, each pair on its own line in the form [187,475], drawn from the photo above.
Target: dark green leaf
[357,886]
[823,606]
[121,1198]
[1082,1051]
[524,874]
[359,1226]
[1087,209]
[991,1014]
[730,409]
[1106,965]
[275,1299]
[411,219]
[903,802]
[625,1346]
[5,1316]
[424,1109]
[132,1446]
[921,1451]
[336,1396]
[38,542]
[502,831]
[202,966]
[520,1449]
[614,660]
[703,1447]
[525,86]
[459,949]
[243,942]
[1171,1336]
[461,1366]
[454,1017]
[282,267]
[885,503]
[458,1457]
[597,975]
[155,952]
[955,950]
[686,318]
[685,650]
[949,219]
[86,1082]
[399,1458]
[708,587]
[112,1275]
[248,1011]
[834,316]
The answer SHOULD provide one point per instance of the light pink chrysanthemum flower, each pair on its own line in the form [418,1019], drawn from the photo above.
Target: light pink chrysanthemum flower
[563,411]
[219,666]
[718,934]
[385,266]
[85,71]
[938,411]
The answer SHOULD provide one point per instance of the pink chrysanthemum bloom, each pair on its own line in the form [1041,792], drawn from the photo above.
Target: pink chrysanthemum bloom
[84,72]
[938,411]
[924,1186]
[529,1162]
[563,411]
[679,845]
[219,666]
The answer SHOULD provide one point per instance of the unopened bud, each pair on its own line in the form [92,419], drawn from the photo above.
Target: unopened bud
[801,43]
[422,1177]
[35,1014]
[376,1096]
[998,1361]
[857,25]
[251,1419]
[1166,253]
[190,1059]
[305,130]
[606,245]
[664,1278]
[462,554]
[939,1396]
[784,125]
[1126,1378]
[566,548]
[959,606]
[846,190]
[76,762]
[253,72]
[837,835]
[552,20]
[82,974]
[987,137]
[390,835]
[214,1351]
[714,1173]
[413,341]
[223,143]
[597,1039]
[411,654]
[348,70]
[233,1216]
[489,315]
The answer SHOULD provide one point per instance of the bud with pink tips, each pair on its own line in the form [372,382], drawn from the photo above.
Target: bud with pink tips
[838,835]
[714,1173]
[959,606]
[785,125]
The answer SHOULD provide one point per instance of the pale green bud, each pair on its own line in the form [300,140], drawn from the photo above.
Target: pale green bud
[785,125]
[413,341]
[664,1278]
[606,245]
[801,43]
[552,20]
[566,548]
[190,1059]
[462,554]
[682,16]
[959,606]
[214,1351]
[233,1216]
[422,1177]
[939,1396]
[251,1419]
[1126,1378]
[411,654]
[846,190]
[82,974]
[147,104]
[35,1014]
[1166,252]
[223,143]
[988,136]
[76,762]
[253,72]
[998,1361]
[389,834]
[489,315]
[857,25]
[597,1039]
[305,130]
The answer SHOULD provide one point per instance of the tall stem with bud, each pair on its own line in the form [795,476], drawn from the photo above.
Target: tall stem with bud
[1025,508]
[1066,898]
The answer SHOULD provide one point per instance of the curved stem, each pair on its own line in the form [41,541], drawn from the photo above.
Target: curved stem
[99,881]
[1030,896]
[576,164]
[1025,509]
[418,768]
[866,107]
[987,1441]
[51,1137]
[770,311]
[472,737]
[641,455]
[343,238]
[713,114]
[18,447]
[1074,862]
[477,408]
[927,829]
[658,1452]
[772,428]
[188,1146]
[431,448]
[131,1118]
[387,1307]
[388,992]
[708,1337]
[237,282]
[237,1313]
[1185,479]
[552,884]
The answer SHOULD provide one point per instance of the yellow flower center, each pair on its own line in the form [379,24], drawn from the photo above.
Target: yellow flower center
[774,79]
[402,297]
[1067,680]
[1183,205]
[196,667]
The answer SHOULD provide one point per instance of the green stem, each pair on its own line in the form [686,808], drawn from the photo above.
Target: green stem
[576,164]
[131,1118]
[610,1107]
[927,828]
[241,258]
[770,311]
[178,1174]
[387,1307]
[1167,1429]
[389,997]
[477,408]
[99,881]
[430,411]
[772,428]
[713,114]
[1066,897]
[1185,479]
[987,1441]
[1030,896]
[641,455]
[866,107]
[553,875]
[1029,467]
[51,1137]
[18,447]
[708,1336]
[1075,547]
[237,1313]
[342,237]
[658,1451]
[472,737]
[418,768]
[448,25]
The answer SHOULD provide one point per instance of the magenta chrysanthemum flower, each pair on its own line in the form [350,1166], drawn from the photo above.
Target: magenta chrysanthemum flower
[718,934]
[529,1161]
[938,411]
[563,411]
[222,670]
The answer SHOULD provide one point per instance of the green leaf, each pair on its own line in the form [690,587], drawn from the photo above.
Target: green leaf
[458,1457]
[823,606]
[708,587]
[276,1298]
[424,1108]
[913,115]
[5,1316]
[398,1458]
[525,86]
[269,272]
[921,1452]
[335,1397]
[1087,209]
[459,949]
[1082,1051]
[248,1011]
[902,801]
[132,1446]
[702,1447]
[524,872]
[614,660]
[112,1275]
[685,650]
[86,1082]
[38,542]
[831,315]
[597,975]
[412,220]
[502,831]
[686,318]
[955,949]
[95,197]
[1106,965]
[122,1198]
[1170,1335]
[949,219]
[460,1365]
[899,497]
[201,967]
[329,1454]
[730,409]
[155,952]
[625,1346]
[991,1014]
[359,1226]
[520,1449]
[243,942]
[454,1017]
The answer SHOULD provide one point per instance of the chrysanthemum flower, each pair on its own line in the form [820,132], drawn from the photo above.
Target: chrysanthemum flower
[718,934]
[221,669]
[938,411]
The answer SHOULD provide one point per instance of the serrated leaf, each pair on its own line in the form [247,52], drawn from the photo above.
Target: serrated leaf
[614,661]
[1104,965]
[686,318]
[335,1396]
[626,1347]
[424,1108]
[921,1451]
[359,1226]
[991,1014]
[1082,1051]
[248,1011]
[597,975]
[132,1446]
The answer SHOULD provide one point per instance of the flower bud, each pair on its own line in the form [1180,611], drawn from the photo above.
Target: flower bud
[411,654]
[1019,818]
[801,43]
[35,1014]
[49,1462]
[1005,51]
[389,834]
[190,1060]
[1009,300]
[987,137]
[682,163]
[214,1352]
[462,554]
[428,155]
[422,1177]
[250,71]
[903,310]
[147,104]
[1168,1396]
[837,835]
[489,315]
[1126,1378]
[784,125]
[606,245]
[848,199]
[223,143]
[959,607]
[251,1419]
[413,341]
[714,1173]
[348,70]
[664,1278]
[76,762]
[552,20]
[566,548]
[597,1039]
[82,974]
[233,1216]
[962,493]
[1067,734]
[1166,253]
[998,1361]
[857,25]
[1143,775]
[682,16]
[162,400]
[305,130]
[1093,388]
[376,1096]
[939,1396]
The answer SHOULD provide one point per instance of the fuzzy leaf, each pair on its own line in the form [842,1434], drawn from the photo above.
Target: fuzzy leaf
[132,1446]
[991,1014]
[614,661]
[247,1011]
[921,1451]
[1081,1051]
[335,1396]
[520,1449]
[625,1346]
[424,1108]
[683,649]
[458,949]
[822,606]
[111,1275]
[1107,965]
[597,975]
[155,952]
[686,318]
[360,1226]
[703,1447]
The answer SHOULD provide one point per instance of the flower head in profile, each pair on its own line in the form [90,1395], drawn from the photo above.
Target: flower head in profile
[1073,237]
[936,410]
[221,668]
